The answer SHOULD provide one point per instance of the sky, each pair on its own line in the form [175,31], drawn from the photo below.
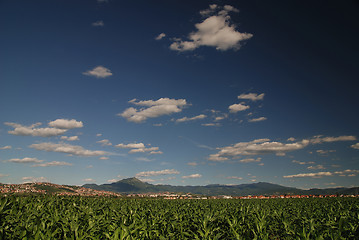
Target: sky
[180,92]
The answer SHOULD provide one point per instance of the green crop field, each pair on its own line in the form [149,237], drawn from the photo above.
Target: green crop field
[50,217]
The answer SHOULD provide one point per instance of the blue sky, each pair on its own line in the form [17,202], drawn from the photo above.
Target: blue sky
[179,92]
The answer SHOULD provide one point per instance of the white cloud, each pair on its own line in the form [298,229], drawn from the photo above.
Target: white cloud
[5,147]
[317,167]
[130,145]
[66,124]
[53,163]
[72,138]
[291,139]
[257,119]
[302,163]
[249,160]
[112,180]
[98,134]
[237,107]
[34,179]
[3,175]
[88,180]
[157,173]
[211,124]
[313,175]
[67,148]
[105,142]
[347,172]
[152,109]
[103,158]
[160,36]
[21,130]
[186,119]
[256,147]
[321,139]
[234,177]
[99,23]
[98,72]
[25,160]
[355,146]
[197,175]
[215,31]
[252,96]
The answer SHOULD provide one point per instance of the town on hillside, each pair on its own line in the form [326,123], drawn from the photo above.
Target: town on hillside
[65,190]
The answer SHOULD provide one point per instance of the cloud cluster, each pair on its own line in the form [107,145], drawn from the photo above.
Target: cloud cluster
[152,109]
[98,72]
[105,142]
[51,164]
[256,147]
[25,160]
[265,146]
[257,119]
[67,148]
[355,146]
[302,163]
[160,36]
[348,172]
[214,31]
[34,179]
[197,175]
[57,127]
[72,138]
[157,173]
[251,96]
[186,119]
[139,148]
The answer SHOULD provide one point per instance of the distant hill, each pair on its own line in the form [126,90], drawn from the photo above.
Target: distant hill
[134,185]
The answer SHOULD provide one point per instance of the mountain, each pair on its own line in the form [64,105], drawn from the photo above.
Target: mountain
[134,185]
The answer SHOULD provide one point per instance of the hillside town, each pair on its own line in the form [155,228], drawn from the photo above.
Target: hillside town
[65,190]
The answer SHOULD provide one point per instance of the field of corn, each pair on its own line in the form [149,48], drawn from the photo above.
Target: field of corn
[50,217]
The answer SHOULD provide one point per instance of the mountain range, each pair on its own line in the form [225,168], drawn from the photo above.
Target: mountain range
[134,185]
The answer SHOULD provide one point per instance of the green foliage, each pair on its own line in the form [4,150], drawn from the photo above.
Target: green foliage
[53,217]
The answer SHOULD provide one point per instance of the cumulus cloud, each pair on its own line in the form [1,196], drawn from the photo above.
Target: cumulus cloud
[21,130]
[5,147]
[186,119]
[66,124]
[105,142]
[249,160]
[211,124]
[160,36]
[152,109]
[302,163]
[257,119]
[237,107]
[98,72]
[25,160]
[67,148]
[3,175]
[139,148]
[214,31]
[53,163]
[322,174]
[355,146]
[157,173]
[72,138]
[320,139]
[316,167]
[103,158]
[99,23]
[192,164]
[251,96]
[256,147]
[197,175]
